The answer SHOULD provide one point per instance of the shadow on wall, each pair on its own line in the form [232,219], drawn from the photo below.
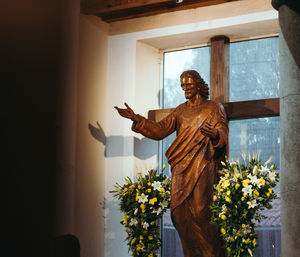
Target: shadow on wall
[143,148]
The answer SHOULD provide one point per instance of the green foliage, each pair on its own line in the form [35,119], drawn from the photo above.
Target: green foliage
[143,203]
[241,194]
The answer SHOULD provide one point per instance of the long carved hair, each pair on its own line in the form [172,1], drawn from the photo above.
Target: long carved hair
[202,86]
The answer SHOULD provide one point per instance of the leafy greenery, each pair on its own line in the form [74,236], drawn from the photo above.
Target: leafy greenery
[143,203]
[241,194]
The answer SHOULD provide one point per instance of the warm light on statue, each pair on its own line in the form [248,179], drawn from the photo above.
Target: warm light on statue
[202,129]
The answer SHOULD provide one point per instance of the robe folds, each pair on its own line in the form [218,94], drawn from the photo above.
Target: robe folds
[195,159]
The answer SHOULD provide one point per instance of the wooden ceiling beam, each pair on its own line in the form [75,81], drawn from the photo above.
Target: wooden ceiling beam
[116,10]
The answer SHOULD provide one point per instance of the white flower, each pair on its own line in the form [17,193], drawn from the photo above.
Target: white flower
[156,185]
[254,179]
[136,211]
[258,183]
[158,211]
[272,176]
[164,204]
[224,209]
[143,198]
[252,203]
[250,252]
[145,225]
[247,190]
[133,222]
[264,169]
[255,170]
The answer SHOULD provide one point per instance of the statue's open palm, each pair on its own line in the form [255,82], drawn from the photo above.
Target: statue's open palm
[127,112]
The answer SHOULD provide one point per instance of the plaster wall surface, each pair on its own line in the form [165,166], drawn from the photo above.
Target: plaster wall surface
[91,139]
[289,44]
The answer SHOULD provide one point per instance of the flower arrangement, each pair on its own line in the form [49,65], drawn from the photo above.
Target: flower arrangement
[242,193]
[143,203]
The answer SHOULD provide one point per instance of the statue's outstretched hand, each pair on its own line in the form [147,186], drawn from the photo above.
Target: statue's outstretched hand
[208,130]
[127,112]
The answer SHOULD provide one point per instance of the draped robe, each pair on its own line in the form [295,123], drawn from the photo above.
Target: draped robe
[194,159]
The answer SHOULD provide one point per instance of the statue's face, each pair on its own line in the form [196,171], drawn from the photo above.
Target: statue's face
[189,87]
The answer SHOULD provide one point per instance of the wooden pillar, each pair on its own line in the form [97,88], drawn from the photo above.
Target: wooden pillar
[219,72]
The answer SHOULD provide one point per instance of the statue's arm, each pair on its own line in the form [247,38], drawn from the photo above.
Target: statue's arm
[150,129]
[154,130]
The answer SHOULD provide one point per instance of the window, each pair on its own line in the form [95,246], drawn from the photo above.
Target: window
[252,107]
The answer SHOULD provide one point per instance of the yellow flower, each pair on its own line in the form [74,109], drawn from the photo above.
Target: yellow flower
[262,181]
[236,206]
[243,198]
[244,215]
[215,198]
[237,186]
[228,192]
[149,183]
[228,249]
[141,237]
[246,171]
[149,190]
[223,217]
[143,207]
[133,241]
[247,241]
[132,186]
[246,182]
[270,190]
[268,194]
[223,163]
[150,237]
[150,255]
[243,225]
[162,189]
[256,192]
[238,234]
[226,175]
[254,242]
[231,239]
[139,247]
[153,201]
[139,187]
[125,219]
[223,231]
[227,199]
[225,184]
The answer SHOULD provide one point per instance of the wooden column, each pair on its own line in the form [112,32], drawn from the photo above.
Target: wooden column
[219,72]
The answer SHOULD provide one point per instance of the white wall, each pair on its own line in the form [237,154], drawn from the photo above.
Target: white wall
[91,130]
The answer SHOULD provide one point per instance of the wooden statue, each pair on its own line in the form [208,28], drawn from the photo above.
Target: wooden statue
[201,127]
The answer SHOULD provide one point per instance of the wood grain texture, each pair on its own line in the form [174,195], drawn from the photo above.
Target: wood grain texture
[117,10]
[235,110]
[219,71]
